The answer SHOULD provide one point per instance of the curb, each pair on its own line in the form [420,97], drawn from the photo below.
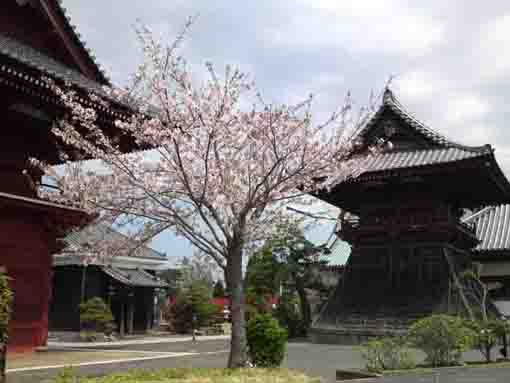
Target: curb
[355,376]
[99,345]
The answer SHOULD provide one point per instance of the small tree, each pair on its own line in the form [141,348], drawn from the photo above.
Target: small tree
[96,315]
[286,259]
[290,317]
[225,163]
[219,290]
[442,338]
[487,330]
[193,301]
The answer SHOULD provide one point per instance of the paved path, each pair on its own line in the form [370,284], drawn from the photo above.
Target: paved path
[313,359]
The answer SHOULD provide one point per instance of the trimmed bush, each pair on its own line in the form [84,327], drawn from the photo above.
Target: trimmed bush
[6,297]
[443,338]
[96,316]
[266,341]
[387,354]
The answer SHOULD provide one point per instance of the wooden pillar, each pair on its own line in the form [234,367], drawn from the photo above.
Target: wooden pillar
[83,296]
[390,265]
[131,313]
[150,309]
[122,326]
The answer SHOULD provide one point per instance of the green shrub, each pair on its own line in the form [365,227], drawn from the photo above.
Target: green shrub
[6,297]
[486,335]
[266,341]
[387,354]
[443,338]
[95,315]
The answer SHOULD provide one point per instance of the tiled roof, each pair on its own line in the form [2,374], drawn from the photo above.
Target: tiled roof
[413,158]
[80,42]
[134,277]
[391,103]
[442,150]
[492,227]
[340,251]
[85,239]
[45,64]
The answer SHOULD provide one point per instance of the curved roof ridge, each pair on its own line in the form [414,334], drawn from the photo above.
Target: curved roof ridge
[391,101]
[479,213]
[76,36]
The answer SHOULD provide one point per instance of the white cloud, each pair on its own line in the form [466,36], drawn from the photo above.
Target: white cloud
[465,108]
[419,85]
[386,27]
[492,51]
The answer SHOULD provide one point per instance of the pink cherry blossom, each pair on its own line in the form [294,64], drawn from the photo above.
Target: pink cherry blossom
[219,173]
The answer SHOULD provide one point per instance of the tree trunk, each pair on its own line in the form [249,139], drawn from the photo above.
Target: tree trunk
[458,285]
[238,346]
[303,300]
[505,345]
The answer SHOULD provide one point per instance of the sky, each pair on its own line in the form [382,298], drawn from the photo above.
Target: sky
[449,60]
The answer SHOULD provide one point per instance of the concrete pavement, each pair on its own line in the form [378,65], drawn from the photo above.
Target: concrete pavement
[313,359]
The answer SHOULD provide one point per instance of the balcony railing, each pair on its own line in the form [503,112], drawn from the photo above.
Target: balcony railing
[354,223]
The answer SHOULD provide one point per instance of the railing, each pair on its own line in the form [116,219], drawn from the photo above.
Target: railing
[354,223]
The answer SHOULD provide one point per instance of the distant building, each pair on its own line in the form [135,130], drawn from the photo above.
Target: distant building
[493,253]
[128,281]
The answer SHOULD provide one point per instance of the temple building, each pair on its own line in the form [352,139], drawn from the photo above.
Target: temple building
[126,280]
[403,216]
[37,40]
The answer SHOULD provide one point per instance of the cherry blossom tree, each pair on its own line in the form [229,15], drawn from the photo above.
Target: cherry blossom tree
[223,165]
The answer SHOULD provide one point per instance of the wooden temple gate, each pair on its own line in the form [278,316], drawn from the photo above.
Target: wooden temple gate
[36,40]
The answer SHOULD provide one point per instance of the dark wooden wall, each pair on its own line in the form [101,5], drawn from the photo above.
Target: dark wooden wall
[64,307]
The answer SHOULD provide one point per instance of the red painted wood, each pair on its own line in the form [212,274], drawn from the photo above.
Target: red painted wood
[25,251]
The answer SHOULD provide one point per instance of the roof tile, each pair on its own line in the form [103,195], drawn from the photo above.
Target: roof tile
[38,60]
[492,227]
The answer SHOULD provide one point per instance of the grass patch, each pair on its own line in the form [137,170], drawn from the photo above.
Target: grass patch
[195,375]
[420,369]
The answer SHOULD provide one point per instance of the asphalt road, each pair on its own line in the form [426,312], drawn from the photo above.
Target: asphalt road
[313,359]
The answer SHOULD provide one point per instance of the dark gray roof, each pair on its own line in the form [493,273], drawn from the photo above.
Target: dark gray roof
[37,60]
[134,277]
[391,103]
[413,158]
[85,239]
[492,227]
[80,42]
